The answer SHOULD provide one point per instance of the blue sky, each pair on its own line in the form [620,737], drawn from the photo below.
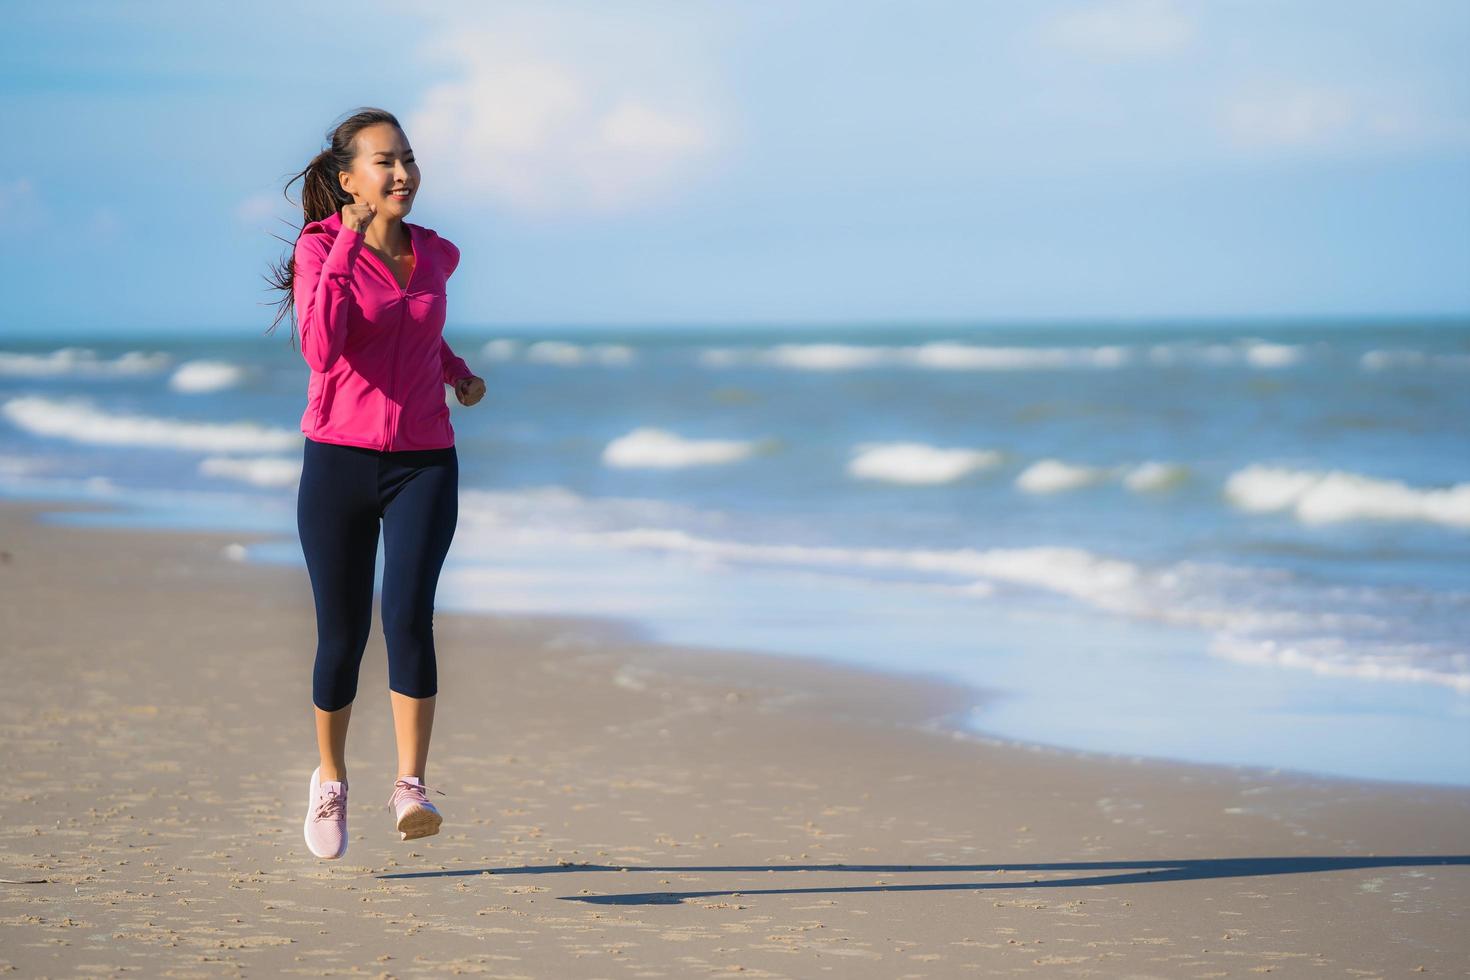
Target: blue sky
[757,161]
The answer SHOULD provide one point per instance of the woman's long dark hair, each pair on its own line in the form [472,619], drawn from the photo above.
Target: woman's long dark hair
[321,197]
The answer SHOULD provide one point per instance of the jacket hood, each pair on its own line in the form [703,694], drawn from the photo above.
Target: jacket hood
[332,224]
[328,226]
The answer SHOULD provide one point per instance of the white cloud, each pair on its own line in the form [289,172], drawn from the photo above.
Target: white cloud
[23,208]
[632,125]
[559,111]
[1293,116]
[1121,29]
[270,212]
[105,223]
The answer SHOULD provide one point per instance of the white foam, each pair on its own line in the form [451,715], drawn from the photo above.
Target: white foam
[1263,354]
[937,355]
[915,463]
[1251,352]
[500,350]
[1329,656]
[659,448]
[565,514]
[1321,497]
[1053,476]
[1244,352]
[260,471]
[44,486]
[825,357]
[1246,606]
[1153,476]
[1071,571]
[950,356]
[572,355]
[80,361]
[1381,360]
[1185,594]
[1193,353]
[722,357]
[79,420]
[22,465]
[205,376]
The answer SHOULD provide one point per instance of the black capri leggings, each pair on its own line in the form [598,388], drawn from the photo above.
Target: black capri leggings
[344,492]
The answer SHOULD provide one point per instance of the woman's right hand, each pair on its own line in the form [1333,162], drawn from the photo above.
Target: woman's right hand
[358,216]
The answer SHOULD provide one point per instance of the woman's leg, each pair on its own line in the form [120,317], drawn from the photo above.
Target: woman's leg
[421,509]
[413,723]
[337,520]
[331,741]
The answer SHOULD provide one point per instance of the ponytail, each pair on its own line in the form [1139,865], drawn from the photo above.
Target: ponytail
[322,196]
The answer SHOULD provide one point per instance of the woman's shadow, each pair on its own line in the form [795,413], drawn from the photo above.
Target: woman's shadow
[1129,873]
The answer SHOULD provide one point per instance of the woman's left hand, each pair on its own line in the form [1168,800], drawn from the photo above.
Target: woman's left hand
[469,390]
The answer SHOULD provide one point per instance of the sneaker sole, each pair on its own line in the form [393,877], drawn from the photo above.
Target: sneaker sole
[419,822]
[311,802]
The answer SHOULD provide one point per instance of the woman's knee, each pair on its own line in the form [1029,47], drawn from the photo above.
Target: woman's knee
[409,635]
[338,660]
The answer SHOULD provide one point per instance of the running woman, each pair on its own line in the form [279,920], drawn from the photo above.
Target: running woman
[368,290]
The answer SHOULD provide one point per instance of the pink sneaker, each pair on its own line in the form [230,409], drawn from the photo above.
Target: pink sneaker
[325,828]
[415,816]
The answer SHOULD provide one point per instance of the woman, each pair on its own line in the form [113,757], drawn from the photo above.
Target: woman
[368,290]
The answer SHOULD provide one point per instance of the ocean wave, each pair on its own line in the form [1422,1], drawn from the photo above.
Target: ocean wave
[941,355]
[81,361]
[662,449]
[1260,612]
[205,376]
[1321,497]
[561,353]
[500,349]
[1244,352]
[936,355]
[1383,360]
[79,420]
[22,465]
[915,463]
[1055,476]
[957,356]
[260,471]
[565,354]
[1331,656]
[1153,476]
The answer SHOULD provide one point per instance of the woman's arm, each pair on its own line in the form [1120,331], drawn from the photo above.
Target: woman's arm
[453,365]
[322,285]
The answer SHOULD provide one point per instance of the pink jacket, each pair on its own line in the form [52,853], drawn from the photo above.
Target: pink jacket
[379,362]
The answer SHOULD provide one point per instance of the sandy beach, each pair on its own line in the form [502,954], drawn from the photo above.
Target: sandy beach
[616,808]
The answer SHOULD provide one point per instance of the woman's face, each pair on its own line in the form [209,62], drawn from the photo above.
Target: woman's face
[384,164]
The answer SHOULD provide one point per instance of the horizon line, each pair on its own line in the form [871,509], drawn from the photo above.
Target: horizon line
[1162,320]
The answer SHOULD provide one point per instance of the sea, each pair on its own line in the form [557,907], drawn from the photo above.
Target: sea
[1232,542]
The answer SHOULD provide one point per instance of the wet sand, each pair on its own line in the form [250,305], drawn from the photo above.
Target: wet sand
[616,808]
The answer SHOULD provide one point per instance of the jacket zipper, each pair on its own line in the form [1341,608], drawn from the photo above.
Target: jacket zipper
[393,377]
[402,308]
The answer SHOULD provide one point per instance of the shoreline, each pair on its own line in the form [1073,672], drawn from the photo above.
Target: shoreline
[956,697]
[716,811]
